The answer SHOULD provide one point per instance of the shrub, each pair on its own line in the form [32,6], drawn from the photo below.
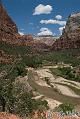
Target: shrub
[66,108]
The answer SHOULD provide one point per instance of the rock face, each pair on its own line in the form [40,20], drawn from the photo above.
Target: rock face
[48,40]
[8,28]
[5,58]
[25,40]
[71,34]
[40,47]
[4,115]
[9,31]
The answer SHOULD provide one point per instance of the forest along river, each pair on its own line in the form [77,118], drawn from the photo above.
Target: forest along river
[49,91]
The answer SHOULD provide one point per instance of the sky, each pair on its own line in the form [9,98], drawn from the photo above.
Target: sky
[41,17]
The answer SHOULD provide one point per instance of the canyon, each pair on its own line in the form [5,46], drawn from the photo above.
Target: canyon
[37,55]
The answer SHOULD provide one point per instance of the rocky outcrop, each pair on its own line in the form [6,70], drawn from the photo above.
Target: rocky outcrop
[8,28]
[25,40]
[40,47]
[5,58]
[48,40]
[9,31]
[5,115]
[70,37]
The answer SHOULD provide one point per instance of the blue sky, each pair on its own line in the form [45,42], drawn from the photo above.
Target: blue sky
[41,17]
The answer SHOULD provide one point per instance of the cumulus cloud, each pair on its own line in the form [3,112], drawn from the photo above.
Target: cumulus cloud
[42,9]
[52,21]
[58,17]
[21,33]
[61,29]
[45,31]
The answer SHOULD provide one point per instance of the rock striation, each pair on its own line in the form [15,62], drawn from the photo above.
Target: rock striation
[70,37]
[9,31]
[8,28]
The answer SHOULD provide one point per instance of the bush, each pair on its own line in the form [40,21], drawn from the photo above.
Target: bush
[66,108]
[24,104]
[15,98]
[66,72]
[32,61]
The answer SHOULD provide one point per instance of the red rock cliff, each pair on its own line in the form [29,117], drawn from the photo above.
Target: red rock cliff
[8,28]
[71,34]
[9,31]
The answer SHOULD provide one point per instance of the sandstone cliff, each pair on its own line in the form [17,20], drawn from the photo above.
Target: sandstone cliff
[8,28]
[9,31]
[71,34]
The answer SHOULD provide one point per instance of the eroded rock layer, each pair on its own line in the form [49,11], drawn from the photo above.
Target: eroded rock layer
[9,31]
[71,34]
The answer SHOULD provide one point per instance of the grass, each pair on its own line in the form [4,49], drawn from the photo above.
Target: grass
[66,72]
[55,71]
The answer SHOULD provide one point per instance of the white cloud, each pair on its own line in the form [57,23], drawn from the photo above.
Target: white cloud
[45,31]
[42,9]
[61,29]
[52,21]
[58,17]
[21,33]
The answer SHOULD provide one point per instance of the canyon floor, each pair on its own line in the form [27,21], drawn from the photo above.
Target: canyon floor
[58,91]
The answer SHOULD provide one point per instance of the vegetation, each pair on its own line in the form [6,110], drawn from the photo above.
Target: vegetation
[66,108]
[14,50]
[66,72]
[32,61]
[69,56]
[22,102]
[14,97]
